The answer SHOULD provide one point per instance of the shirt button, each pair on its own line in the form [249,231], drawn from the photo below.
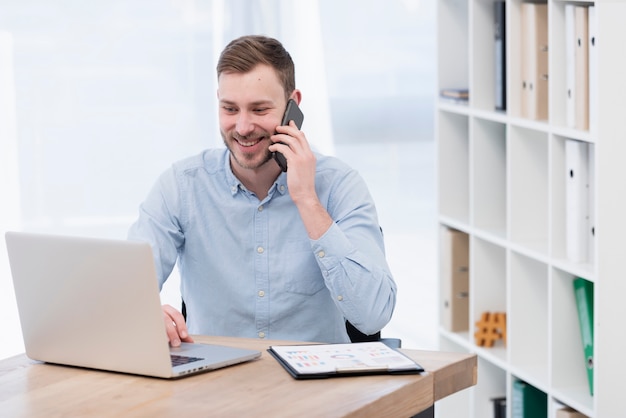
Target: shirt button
[282,188]
[233,189]
[260,250]
[260,208]
[339,298]
[321,254]
[261,293]
[261,334]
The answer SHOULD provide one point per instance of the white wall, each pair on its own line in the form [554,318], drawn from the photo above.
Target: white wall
[9,190]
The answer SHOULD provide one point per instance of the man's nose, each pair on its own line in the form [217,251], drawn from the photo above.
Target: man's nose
[245,124]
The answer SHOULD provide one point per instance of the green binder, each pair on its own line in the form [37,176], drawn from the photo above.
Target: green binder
[528,401]
[583,291]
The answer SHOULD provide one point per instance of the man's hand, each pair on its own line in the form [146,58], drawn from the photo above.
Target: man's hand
[301,178]
[175,326]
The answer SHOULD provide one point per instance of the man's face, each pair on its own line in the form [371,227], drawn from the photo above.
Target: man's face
[251,105]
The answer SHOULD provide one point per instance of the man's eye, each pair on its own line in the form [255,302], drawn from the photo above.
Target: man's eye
[229,109]
[261,110]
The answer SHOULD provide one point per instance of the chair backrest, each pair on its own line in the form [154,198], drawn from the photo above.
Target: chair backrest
[357,336]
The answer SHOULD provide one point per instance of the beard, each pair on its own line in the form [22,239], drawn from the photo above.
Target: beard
[247,160]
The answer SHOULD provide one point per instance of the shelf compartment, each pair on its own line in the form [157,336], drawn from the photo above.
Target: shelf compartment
[487,288]
[527,162]
[569,375]
[453,165]
[458,404]
[489,176]
[453,38]
[528,318]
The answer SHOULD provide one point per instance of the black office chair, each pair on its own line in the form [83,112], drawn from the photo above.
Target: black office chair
[357,336]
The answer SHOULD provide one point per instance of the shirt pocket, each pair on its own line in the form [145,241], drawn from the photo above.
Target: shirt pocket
[301,271]
[305,284]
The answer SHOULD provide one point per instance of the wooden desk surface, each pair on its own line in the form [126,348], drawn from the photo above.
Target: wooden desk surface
[260,388]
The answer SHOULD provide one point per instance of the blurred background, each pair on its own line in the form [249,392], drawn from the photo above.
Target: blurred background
[98,98]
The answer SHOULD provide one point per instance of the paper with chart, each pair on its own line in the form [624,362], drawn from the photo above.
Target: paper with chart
[338,358]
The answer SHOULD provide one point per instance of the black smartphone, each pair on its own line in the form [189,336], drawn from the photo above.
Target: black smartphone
[292,112]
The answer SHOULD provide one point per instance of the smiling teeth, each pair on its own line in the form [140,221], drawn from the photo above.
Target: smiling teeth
[247,143]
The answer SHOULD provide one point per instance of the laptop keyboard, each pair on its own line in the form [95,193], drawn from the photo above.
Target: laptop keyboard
[180,360]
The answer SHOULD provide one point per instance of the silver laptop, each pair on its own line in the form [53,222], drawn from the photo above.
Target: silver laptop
[95,303]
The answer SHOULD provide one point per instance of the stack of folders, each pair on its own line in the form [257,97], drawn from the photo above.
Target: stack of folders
[583,292]
[580,62]
[534,71]
[579,207]
[528,401]
[455,95]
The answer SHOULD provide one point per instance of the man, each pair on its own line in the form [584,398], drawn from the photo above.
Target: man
[265,253]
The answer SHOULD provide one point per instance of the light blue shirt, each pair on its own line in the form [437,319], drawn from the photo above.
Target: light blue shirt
[248,267]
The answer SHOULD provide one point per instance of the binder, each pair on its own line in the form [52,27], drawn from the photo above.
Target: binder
[317,361]
[591,224]
[570,41]
[583,292]
[454,258]
[581,67]
[576,201]
[593,71]
[528,401]
[568,412]
[500,54]
[534,61]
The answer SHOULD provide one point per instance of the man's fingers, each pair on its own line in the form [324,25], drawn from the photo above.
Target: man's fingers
[175,326]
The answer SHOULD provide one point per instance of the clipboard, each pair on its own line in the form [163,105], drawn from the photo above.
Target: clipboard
[319,361]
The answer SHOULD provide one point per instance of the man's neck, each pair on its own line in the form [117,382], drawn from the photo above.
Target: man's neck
[257,180]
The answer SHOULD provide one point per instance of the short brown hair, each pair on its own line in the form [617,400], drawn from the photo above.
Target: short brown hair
[241,55]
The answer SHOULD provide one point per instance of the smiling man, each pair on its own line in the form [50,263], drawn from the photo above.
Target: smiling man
[265,253]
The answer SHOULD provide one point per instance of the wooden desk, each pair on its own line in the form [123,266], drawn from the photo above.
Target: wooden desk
[260,388]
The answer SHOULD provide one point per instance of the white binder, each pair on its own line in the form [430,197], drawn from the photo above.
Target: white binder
[591,227]
[593,82]
[534,104]
[570,41]
[581,71]
[577,201]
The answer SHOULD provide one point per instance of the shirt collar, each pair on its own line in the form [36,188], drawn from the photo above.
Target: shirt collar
[235,184]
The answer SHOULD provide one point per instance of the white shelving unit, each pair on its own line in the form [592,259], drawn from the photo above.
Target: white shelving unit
[501,180]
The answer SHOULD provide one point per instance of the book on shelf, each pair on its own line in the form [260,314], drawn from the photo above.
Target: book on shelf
[534,71]
[454,95]
[577,201]
[528,401]
[500,54]
[583,293]
[454,259]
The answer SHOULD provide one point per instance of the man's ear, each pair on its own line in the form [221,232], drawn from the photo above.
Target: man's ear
[296,96]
